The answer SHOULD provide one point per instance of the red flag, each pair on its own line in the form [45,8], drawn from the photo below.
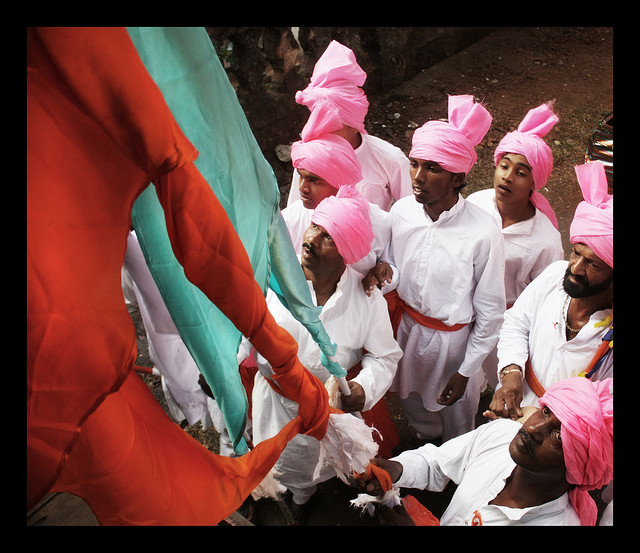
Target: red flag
[98,131]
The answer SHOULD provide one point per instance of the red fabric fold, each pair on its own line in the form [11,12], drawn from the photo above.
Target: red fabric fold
[98,131]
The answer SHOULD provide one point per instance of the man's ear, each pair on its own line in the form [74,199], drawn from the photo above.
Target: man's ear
[459,180]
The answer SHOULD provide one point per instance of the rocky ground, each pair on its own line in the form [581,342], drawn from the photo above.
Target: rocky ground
[510,71]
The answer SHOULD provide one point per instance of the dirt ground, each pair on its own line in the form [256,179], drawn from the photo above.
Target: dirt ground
[510,71]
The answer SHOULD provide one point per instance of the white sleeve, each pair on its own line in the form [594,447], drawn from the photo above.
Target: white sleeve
[488,305]
[380,362]
[513,342]
[431,467]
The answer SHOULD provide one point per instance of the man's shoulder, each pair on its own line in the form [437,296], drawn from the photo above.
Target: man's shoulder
[383,148]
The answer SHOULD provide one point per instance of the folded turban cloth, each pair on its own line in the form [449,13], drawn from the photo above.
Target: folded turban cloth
[452,144]
[585,411]
[329,156]
[345,217]
[527,141]
[334,96]
[593,221]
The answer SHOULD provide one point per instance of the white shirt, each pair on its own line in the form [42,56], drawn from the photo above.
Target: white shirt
[353,321]
[385,173]
[529,246]
[451,270]
[179,371]
[298,218]
[479,463]
[535,327]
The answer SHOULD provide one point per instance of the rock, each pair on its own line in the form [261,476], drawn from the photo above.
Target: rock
[283,152]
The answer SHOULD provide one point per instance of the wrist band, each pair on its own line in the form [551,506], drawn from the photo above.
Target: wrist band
[504,373]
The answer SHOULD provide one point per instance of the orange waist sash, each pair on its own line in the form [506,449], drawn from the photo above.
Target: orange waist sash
[397,306]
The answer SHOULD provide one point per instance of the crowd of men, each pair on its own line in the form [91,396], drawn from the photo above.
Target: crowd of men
[434,296]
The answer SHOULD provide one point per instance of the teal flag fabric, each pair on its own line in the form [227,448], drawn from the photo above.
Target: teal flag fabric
[185,66]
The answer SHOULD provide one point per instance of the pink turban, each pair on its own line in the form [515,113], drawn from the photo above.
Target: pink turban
[585,411]
[527,141]
[331,157]
[345,217]
[593,221]
[334,96]
[452,144]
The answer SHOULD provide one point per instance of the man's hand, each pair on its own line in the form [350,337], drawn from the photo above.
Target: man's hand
[507,399]
[454,389]
[373,487]
[378,276]
[354,402]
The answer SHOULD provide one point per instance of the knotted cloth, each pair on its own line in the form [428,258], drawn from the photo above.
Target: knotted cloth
[527,141]
[585,411]
[334,96]
[328,156]
[345,217]
[593,220]
[452,144]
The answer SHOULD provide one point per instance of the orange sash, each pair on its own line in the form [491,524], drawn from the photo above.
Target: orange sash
[539,390]
[532,380]
[397,306]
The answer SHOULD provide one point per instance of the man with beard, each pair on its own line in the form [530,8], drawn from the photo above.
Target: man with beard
[561,326]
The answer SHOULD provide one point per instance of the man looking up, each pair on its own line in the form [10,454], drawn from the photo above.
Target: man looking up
[339,235]
[559,326]
[536,472]
[324,163]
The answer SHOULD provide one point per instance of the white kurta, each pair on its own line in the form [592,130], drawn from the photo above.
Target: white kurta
[298,218]
[353,321]
[535,327]
[479,463]
[529,246]
[385,171]
[451,270]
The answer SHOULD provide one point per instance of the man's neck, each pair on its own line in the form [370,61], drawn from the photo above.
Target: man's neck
[514,213]
[434,210]
[351,135]
[585,307]
[525,489]
[324,283]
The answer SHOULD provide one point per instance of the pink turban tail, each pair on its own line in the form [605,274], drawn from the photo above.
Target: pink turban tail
[345,217]
[593,221]
[330,157]
[585,411]
[334,96]
[452,144]
[527,141]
